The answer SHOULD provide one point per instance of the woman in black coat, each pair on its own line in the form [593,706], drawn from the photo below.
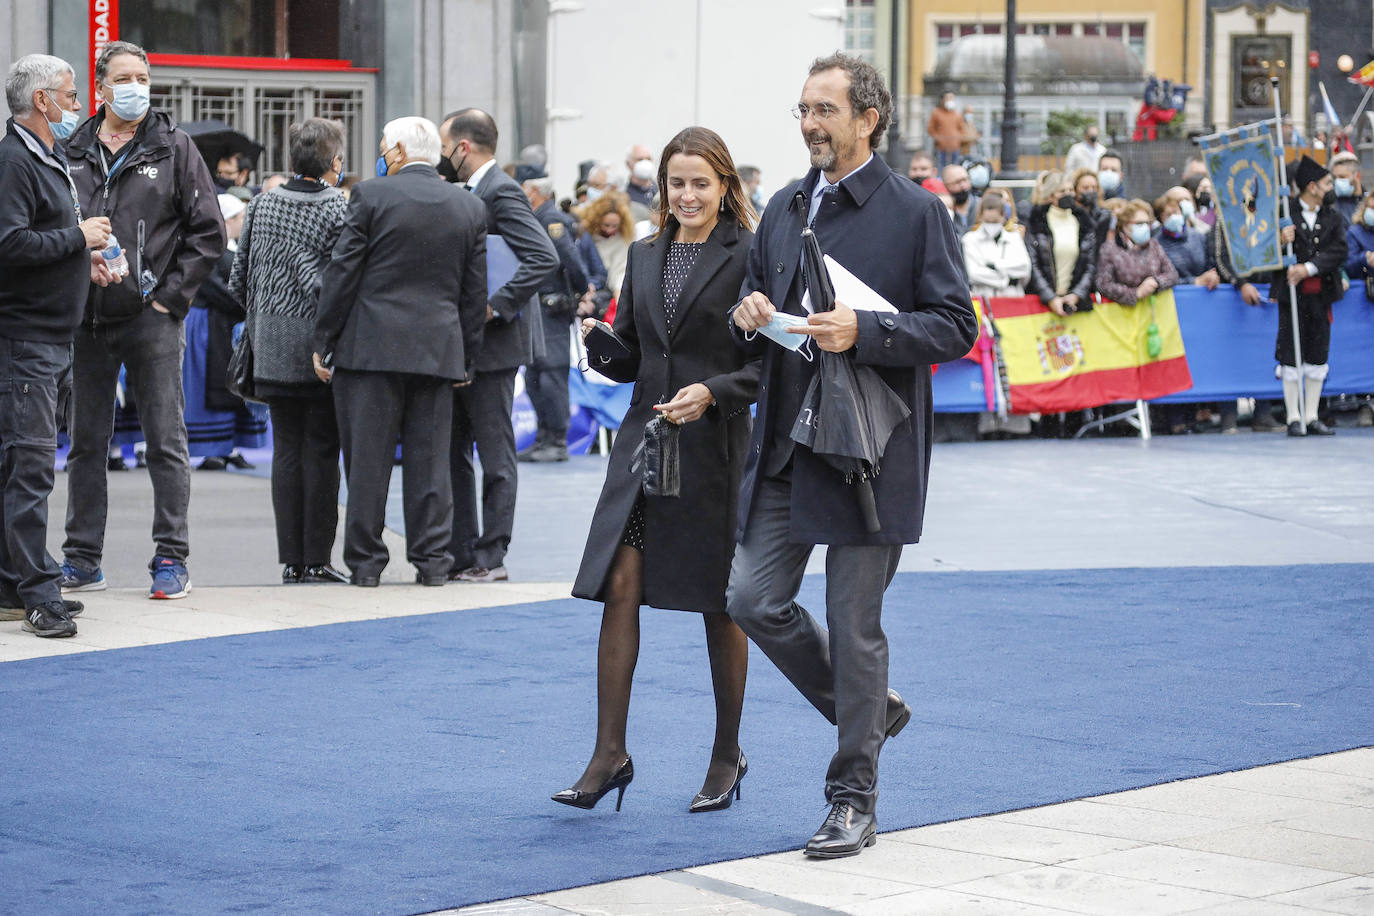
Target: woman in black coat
[1061,237]
[675,552]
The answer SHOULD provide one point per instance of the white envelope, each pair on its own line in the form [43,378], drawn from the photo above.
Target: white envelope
[850,290]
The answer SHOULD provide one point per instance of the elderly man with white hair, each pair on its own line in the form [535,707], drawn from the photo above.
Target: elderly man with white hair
[44,271]
[399,323]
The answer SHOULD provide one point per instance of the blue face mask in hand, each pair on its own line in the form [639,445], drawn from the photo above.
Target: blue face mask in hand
[776,331]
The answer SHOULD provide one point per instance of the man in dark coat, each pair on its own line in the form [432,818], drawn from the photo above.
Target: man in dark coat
[45,268]
[482,411]
[898,239]
[1319,242]
[546,377]
[134,165]
[401,311]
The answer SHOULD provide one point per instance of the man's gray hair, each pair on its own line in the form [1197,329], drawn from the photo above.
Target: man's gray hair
[866,90]
[113,50]
[535,155]
[418,135]
[27,75]
[541,186]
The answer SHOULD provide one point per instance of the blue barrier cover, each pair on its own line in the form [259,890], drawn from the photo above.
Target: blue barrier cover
[1230,349]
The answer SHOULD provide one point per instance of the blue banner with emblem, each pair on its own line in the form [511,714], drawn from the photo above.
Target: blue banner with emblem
[1244,168]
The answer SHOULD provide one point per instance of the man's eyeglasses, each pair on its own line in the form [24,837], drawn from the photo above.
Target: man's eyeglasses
[71,94]
[823,112]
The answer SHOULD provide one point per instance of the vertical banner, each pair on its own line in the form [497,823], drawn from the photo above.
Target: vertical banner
[1243,166]
[103,29]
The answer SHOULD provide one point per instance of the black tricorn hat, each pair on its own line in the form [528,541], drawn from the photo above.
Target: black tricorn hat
[1306,172]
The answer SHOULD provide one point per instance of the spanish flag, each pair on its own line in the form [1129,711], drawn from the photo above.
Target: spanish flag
[1088,359]
[1364,76]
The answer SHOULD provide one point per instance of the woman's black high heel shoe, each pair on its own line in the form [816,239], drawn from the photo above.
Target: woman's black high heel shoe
[619,780]
[716,803]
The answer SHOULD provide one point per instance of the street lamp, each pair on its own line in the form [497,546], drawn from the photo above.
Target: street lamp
[1011,157]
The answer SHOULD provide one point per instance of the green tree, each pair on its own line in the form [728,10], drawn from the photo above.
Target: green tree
[1063,129]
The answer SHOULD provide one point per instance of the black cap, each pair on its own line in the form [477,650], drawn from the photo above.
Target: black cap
[1306,172]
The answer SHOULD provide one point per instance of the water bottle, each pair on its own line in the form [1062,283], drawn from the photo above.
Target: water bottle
[114,258]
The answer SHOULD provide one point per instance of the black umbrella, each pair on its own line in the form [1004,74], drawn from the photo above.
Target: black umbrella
[849,412]
[216,140]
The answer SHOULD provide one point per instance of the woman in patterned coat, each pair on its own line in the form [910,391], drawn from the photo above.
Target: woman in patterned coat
[287,237]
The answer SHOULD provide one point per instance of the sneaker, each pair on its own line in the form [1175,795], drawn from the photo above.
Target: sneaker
[76,579]
[49,619]
[12,606]
[170,578]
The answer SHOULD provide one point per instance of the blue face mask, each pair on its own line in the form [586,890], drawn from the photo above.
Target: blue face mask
[1140,233]
[1174,223]
[1109,180]
[128,100]
[1345,187]
[1369,217]
[1187,207]
[381,163]
[63,129]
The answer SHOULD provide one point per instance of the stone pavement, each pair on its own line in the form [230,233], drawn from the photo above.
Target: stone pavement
[1296,837]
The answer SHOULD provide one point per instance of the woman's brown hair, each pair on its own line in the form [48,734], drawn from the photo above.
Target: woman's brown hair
[706,143]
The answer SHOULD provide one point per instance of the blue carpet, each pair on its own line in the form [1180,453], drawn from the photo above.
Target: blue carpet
[403,766]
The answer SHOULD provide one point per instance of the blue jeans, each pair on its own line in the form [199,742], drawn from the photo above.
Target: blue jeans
[30,373]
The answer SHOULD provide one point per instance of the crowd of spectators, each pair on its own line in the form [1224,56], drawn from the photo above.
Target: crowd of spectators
[1080,237]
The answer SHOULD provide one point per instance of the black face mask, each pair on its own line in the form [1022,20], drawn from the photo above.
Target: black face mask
[1329,199]
[1064,202]
[960,197]
[1204,201]
[1088,198]
[448,171]
[223,183]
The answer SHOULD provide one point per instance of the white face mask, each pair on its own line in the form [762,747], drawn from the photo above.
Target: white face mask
[128,100]
[951,104]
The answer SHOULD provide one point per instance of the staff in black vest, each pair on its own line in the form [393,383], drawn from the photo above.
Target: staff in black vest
[674,552]
[897,238]
[1319,242]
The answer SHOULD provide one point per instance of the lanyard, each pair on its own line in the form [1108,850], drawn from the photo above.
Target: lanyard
[112,170]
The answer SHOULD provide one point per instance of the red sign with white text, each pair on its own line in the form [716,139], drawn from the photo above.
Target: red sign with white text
[104,28]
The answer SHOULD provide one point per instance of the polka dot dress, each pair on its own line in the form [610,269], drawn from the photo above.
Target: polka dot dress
[681,257]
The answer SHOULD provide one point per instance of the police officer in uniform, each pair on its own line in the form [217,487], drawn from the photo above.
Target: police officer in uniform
[1318,237]
[546,379]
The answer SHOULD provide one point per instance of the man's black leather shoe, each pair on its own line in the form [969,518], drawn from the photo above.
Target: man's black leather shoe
[422,579]
[1318,428]
[1295,429]
[846,832]
[323,575]
[366,581]
[291,574]
[898,714]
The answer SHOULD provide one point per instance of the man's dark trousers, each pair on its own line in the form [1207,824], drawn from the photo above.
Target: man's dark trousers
[847,659]
[29,373]
[150,347]
[482,416]
[374,410]
[546,379]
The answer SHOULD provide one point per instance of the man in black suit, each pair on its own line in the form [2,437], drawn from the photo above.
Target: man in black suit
[399,324]
[482,411]
[897,238]
[546,378]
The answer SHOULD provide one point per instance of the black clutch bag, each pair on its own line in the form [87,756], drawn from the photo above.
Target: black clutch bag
[657,459]
[605,344]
